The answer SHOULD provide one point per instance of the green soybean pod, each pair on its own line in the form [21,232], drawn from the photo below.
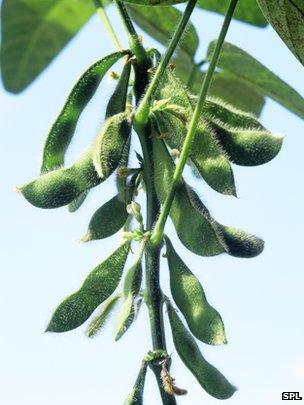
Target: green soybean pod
[203,320]
[117,102]
[107,220]
[62,186]
[136,395]
[110,144]
[193,224]
[96,288]
[77,203]
[63,129]
[211,380]
[210,160]
[99,321]
[247,147]
[155,2]
[239,243]
[235,242]
[131,288]
[222,113]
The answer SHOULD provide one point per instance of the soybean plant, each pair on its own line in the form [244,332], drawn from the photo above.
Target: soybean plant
[183,114]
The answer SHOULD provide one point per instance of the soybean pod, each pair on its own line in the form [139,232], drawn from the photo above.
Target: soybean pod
[107,220]
[136,395]
[131,288]
[198,232]
[63,129]
[99,321]
[211,380]
[203,320]
[96,288]
[116,104]
[110,143]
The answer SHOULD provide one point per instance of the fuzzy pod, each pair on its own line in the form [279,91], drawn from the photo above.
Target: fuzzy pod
[131,288]
[211,380]
[96,288]
[209,158]
[77,203]
[155,2]
[136,395]
[239,243]
[117,102]
[100,320]
[107,220]
[63,129]
[203,320]
[62,186]
[247,147]
[110,143]
[193,224]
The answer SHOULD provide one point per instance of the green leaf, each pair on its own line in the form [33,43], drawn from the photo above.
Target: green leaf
[211,380]
[33,33]
[99,321]
[287,18]
[160,22]
[97,287]
[107,220]
[203,320]
[246,11]
[237,63]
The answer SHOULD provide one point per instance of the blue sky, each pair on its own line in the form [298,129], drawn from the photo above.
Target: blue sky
[260,299]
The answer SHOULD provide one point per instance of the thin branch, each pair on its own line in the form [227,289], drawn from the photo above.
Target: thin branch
[157,234]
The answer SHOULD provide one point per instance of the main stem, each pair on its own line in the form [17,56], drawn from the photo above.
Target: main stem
[143,110]
[153,293]
[160,225]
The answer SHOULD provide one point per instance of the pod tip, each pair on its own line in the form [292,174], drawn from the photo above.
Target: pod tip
[86,238]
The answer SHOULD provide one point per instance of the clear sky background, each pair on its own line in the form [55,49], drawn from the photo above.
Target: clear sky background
[261,300]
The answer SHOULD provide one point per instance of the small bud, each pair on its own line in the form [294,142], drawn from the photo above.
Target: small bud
[114,75]
[122,171]
[175,153]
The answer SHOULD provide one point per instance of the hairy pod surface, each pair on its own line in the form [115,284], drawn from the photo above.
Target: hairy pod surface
[203,320]
[110,143]
[107,220]
[117,102]
[131,287]
[247,147]
[136,395]
[63,129]
[77,203]
[62,186]
[194,227]
[211,380]
[99,321]
[210,160]
[155,2]
[97,287]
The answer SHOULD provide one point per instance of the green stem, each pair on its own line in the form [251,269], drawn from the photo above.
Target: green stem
[134,40]
[143,111]
[160,225]
[100,9]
